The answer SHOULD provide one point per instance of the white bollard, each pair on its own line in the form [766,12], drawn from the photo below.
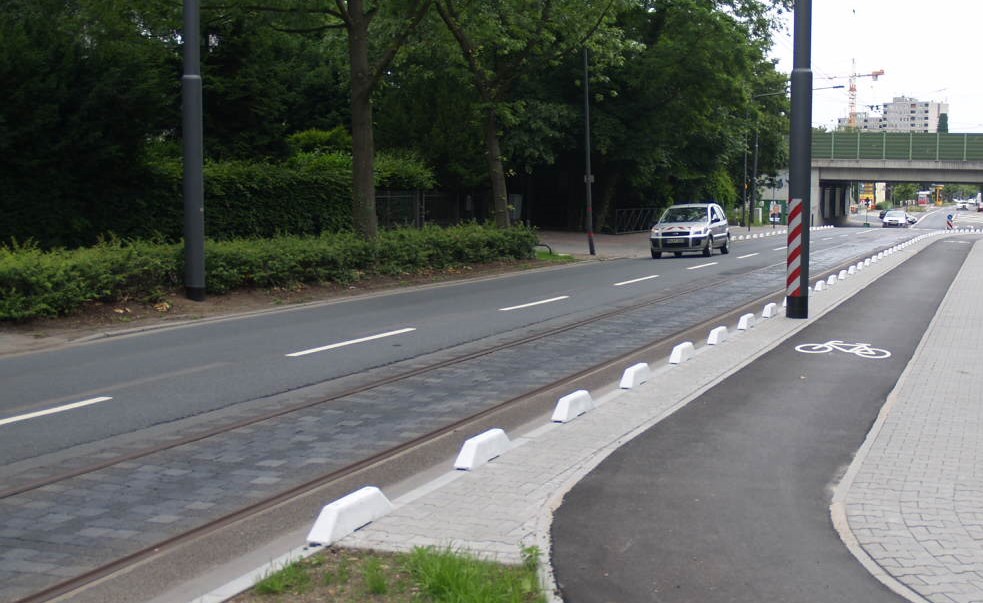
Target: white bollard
[842,275]
[851,270]
[347,514]
[820,286]
[635,375]
[770,309]
[682,352]
[571,406]
[481,448]
[717,336]
[745,322]
[831,280]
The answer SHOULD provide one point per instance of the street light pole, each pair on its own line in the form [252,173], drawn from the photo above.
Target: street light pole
[588,177]
[191,133]
[754,171]
[800,165]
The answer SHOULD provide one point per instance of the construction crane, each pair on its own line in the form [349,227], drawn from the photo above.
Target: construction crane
[853,89]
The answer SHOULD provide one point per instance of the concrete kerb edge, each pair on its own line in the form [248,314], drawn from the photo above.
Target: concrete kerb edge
[544,520]
[841,492]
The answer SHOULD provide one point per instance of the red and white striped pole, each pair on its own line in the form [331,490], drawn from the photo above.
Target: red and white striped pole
[796,293]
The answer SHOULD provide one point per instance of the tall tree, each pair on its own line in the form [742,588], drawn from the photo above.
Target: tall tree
[85,85]
[499,41]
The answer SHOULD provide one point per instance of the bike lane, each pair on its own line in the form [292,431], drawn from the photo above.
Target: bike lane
[728,499]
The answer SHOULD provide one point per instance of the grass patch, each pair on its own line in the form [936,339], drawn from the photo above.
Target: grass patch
[422,575]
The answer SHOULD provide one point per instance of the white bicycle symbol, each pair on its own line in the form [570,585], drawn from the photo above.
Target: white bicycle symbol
[860,349]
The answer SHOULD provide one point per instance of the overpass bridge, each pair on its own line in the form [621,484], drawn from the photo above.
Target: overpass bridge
[841,158]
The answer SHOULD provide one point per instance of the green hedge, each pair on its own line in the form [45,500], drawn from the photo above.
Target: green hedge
[36,283]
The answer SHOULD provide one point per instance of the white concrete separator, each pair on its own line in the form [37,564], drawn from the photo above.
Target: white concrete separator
[635,375]
[682,352]
[770,310]
[571,406]
[481,448]
[820,286]
[842,275]
[347,514]
[851,270]
[745,322]
[717,336]
[831,280]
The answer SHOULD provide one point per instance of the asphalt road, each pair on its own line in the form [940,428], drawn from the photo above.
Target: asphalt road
[155,378]
[728,499]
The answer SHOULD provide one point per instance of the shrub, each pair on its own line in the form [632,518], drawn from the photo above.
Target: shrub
[36,283]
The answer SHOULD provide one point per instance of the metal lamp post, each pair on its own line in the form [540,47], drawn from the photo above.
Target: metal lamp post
[194,188]
[588,177]
[754,170]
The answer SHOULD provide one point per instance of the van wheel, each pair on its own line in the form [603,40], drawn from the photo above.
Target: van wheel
[725,248]
[656,255]
[708,250]
[678,254]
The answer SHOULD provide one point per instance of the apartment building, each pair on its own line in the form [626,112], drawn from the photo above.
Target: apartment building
[902,114]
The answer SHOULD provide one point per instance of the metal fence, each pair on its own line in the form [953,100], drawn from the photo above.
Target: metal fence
[634,219]
[912,146]
[416,208]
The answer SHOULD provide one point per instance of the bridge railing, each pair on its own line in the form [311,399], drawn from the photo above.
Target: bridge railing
[911,146]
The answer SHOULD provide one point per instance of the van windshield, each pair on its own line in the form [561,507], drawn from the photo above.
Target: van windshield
[684,214]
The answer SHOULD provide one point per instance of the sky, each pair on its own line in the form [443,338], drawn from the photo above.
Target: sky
[929,51]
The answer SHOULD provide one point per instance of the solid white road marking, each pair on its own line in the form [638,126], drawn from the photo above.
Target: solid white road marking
[636,280]
[535,303]
[350,342]
[702,266]
[51,411]
[782,248]
[750,255]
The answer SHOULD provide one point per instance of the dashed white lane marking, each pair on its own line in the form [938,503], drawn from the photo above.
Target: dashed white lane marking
[636,280]
[702,266]
[535,303]
[750,255]
[56,409]
[782,248]
[350,342]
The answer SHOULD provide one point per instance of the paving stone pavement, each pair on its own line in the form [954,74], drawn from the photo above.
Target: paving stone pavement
[913,498]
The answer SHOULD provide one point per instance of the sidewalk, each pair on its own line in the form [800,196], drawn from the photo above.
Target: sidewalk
[908,507]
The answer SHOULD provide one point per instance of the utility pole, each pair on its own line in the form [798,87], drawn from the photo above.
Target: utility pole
[194,186]
[800,165]
[588,177]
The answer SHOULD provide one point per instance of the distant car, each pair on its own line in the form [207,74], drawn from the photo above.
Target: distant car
[691,227]
[897,218]
[962,205]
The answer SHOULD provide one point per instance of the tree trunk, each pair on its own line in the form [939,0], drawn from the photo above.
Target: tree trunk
[493,152]
[607,197]
[363,146]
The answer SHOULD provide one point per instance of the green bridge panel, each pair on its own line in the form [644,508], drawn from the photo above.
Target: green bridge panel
[896,145]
